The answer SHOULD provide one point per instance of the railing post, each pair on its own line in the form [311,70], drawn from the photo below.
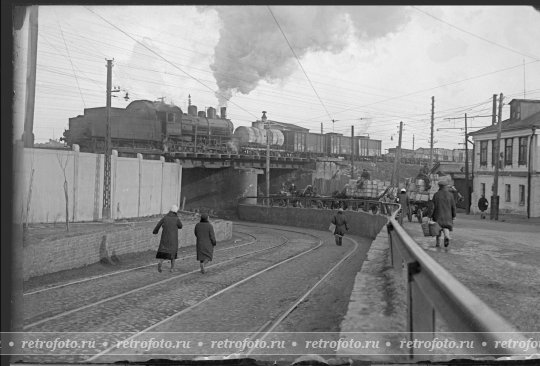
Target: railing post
[421,314]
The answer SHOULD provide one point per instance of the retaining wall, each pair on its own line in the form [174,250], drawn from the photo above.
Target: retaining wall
[66,253]
[359,222]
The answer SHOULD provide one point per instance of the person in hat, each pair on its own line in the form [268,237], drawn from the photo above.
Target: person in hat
[403,199]
[444,212]
[206,241]
[341,225]
[168,245]
[482,206]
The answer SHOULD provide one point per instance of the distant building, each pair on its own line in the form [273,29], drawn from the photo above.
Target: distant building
[51,144]
[519,161]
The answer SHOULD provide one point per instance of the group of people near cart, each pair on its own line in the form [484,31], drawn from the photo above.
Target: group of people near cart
[168,245]
[441,209]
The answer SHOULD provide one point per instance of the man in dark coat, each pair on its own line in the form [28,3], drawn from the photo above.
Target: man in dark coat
[168,245]
[444,211]
[206,241]
[403,200]
[483,205]
[341,225]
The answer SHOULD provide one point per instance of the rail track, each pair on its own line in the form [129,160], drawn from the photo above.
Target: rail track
[148,313]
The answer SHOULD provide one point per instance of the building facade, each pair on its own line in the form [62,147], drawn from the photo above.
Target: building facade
[519,161]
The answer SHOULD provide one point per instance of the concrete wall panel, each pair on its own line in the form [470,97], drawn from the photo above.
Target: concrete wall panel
[130,197]
[126,192]
[360,223]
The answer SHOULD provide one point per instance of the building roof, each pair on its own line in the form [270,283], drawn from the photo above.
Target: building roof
[510,125]
[445,168]
[282,125]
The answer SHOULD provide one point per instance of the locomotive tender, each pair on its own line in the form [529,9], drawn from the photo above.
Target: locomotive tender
[158,128]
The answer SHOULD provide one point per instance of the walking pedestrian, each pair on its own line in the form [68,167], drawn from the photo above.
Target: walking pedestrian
[341,225]
[444,211]
[403,200]
[168,245]
[483,205]
[206,241]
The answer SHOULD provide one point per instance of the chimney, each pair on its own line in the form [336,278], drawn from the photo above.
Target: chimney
[211,112]
[223,112]
[192,110]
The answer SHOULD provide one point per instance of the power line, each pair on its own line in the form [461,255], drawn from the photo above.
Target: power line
[297,59]
[164,59]
[477,36]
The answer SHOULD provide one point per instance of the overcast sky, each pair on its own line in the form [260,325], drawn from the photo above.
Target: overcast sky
[370,67]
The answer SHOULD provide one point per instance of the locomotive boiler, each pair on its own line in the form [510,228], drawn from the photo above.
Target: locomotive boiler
[151,127]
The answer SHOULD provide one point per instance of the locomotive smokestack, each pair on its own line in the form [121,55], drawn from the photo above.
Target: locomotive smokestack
[223,112]
[192,110]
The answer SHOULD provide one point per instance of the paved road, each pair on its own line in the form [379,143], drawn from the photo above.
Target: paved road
[497,260]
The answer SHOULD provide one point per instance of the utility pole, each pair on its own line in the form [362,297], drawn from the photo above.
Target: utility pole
[28,134]
[413,142]
[397,158]
[352,152]
[321,129]
[467,184]
[106,211]
[494,112]
[264,120]
[432,126]
[494,213]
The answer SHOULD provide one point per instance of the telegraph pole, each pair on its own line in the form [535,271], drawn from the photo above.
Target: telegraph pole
[494,112]
[468,189]
[397,158]
[106,211]
[352,152]
[432,125]
[494,213]
[28,135]
[264,120]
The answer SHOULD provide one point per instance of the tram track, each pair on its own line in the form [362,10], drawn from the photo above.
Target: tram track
[268,324]
[148,286]
[234,285]
[53,287]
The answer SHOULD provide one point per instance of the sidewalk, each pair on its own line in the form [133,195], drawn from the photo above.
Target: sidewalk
[496,260]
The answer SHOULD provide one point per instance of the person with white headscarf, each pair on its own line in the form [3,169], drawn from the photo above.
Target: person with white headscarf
[168,245]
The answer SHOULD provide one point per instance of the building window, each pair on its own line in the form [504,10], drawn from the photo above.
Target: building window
[508,151]
[507,193]
[522,157]
[483,188]
[483,153]
[493,152]
[521,194]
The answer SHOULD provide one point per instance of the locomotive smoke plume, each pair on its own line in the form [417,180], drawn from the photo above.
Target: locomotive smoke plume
[251,47]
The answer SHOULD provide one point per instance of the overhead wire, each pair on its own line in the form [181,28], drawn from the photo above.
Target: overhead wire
[299,63]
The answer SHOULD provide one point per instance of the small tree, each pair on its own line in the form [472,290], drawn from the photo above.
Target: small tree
[63,164]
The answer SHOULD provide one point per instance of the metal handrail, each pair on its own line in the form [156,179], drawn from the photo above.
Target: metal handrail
[432,290]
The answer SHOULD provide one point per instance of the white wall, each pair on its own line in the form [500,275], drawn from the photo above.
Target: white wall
[138,187]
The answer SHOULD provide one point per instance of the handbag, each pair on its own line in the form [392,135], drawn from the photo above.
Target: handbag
[332,228]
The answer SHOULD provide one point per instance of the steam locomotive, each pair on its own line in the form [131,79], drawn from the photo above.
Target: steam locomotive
[154,127]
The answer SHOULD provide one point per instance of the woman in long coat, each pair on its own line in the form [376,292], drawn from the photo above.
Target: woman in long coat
[444,212]
[168,245]
[206,241]
[341,225]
